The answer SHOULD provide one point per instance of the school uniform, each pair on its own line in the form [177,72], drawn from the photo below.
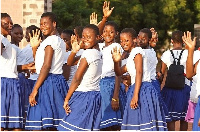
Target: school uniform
[107,85]
[197,109]
[50,97]
[85,103]
[149,114]
[193,93]
[12,103]
[176,100]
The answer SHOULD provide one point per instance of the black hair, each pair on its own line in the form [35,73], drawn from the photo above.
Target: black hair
[131,31]
[67,31]
[79,30]
[113,24]
[93,27]
[51,16]
[16,26]
[177,36]
[4,15]
[147,31]
[33,27]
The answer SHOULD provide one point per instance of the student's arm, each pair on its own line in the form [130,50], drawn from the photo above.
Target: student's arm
[115,98]
[43,73]
[160,75]
[106,13]
[138,80]
[72,59]
[66,71]
[190,68]
[75,82]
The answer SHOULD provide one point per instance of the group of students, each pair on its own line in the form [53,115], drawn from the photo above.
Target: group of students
[93,78]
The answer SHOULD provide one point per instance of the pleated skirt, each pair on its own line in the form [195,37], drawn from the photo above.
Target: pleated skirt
[149,115]
[109,116]
[85,112]
[49,110]
[12,103]
[176,102]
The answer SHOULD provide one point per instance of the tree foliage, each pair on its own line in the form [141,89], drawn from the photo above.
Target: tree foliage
[163,15]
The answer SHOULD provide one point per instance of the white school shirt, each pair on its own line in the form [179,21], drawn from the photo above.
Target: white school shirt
[20,56]
[59,48]
[28,53]
[8,62]
[149,65]
[72,68]
[92,76]
[198,79]
[108,64]
[124,61]
[131,64]
[168,60]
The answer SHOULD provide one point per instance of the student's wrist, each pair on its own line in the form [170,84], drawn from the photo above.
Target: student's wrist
[73,51]
[115,99]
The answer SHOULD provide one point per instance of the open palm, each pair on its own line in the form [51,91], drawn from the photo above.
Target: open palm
[106,11]
[35,40]
[116,55]
[74,42]
[187,39]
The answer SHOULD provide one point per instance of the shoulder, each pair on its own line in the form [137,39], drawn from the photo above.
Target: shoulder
[135,51]
[54,41]
[91,55]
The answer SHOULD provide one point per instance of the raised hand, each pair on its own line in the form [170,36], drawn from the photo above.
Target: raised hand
[93,19]
[66,107]
[187,39]
[75,45]
[36,39]
[116,54]
[154,38]
[106,9]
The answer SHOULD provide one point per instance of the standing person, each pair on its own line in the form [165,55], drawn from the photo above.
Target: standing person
[83,101]
[109,84]
[191,70]
[176,100]
[143,110]
[11,94]
[47,97]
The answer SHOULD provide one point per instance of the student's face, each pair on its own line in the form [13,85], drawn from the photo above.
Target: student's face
[17,35]
[6,26]
[126,41]
[143,40]
[89,39]
[27,35]
[47,26]
[67,39]
[109,34]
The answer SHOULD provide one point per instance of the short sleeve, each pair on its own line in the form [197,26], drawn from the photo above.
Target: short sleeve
[165,56]
[196,56]
[5,41]
[135,51]
[91,55]
[52,41]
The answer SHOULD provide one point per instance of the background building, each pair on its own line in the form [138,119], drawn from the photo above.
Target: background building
[26,12]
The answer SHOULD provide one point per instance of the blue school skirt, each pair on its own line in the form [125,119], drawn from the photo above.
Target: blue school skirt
[156,84]
[85,112]
[122,98]
[109,116]
[176,102]
[12,103]
[49,109]
[26,88]
[149,116]
[196,117]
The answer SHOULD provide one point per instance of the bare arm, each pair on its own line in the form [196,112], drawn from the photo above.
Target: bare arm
[66,71]
[43,73]
[75,82]
[138,80]
[73,59]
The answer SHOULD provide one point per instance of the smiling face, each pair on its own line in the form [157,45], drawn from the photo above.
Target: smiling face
[126,41]
[6,26]
[143,40]
[47,26]
[16,35]
[89,38]
[109,34]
